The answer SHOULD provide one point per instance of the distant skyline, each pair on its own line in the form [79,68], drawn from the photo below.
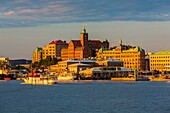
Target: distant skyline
[25,24]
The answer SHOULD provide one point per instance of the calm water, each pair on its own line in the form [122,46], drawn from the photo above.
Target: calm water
[90,97]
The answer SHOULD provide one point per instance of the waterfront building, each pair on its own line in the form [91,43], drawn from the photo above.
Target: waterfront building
[74,66]
[133,57]
[77,67]
[160,61]
[83,48]
[63,65]
[106,72]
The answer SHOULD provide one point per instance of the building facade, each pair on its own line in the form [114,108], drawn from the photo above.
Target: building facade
[133,57]
[53,49]
[37,55]
[83,48]
[160,61]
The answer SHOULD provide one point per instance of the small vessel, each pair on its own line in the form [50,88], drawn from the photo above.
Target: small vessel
[160,78]
[65,76]
[39,79]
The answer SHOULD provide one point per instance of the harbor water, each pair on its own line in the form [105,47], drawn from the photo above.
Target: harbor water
[85,97]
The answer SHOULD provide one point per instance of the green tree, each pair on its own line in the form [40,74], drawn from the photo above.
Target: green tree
[45,62]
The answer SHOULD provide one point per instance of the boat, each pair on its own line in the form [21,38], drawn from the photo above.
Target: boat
[65,76]
[160,78]
[35,78]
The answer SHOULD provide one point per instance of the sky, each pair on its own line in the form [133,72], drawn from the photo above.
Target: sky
[26,24]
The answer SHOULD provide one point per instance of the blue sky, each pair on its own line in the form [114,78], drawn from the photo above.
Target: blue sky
[25,24]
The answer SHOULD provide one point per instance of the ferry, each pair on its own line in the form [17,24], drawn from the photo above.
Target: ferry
[35,78]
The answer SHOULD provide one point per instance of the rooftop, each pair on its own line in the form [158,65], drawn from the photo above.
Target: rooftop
[58,42]
[79,64]
[162,53]
[81,61]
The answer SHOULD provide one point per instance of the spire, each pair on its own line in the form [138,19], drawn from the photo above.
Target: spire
[120,42]
[84,30]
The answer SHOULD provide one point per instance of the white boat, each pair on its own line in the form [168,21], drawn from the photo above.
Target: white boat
[42,80]
[65,77]
[37,79]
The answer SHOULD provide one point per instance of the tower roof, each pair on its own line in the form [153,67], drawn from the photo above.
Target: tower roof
[84,30]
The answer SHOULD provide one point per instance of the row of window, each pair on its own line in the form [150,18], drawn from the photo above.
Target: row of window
[51,46]
[131,63]
[53,56]
[160,60]
[158,68]
[49,53]
[48,50]
[160,56]
[168,64]
[108,52]
[125,56]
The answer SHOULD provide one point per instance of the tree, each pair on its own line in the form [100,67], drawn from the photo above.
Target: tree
[45,62]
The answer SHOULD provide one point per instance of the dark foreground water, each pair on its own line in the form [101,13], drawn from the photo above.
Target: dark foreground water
[89,97]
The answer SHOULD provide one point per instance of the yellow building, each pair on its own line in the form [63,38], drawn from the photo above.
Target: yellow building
[75,68]
[53,49]
[4,59]
[160,61]
[109,62]
[133,57]
[63,65]
[37,55]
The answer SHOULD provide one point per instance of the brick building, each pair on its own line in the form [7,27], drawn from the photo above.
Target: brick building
[83,48]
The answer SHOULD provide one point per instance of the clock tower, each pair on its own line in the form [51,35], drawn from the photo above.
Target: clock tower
[84,37]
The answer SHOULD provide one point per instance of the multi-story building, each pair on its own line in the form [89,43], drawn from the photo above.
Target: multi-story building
[160,61]
[53,49]
[37,55]
[83,48]
[132,56]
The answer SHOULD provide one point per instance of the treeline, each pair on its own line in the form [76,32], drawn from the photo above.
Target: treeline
[45,62]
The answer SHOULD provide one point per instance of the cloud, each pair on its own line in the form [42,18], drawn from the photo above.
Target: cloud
[40,12]
[9,13]
[26,11]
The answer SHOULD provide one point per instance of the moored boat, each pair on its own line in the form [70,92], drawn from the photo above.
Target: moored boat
[160,78]
[65,77]
[39,79]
